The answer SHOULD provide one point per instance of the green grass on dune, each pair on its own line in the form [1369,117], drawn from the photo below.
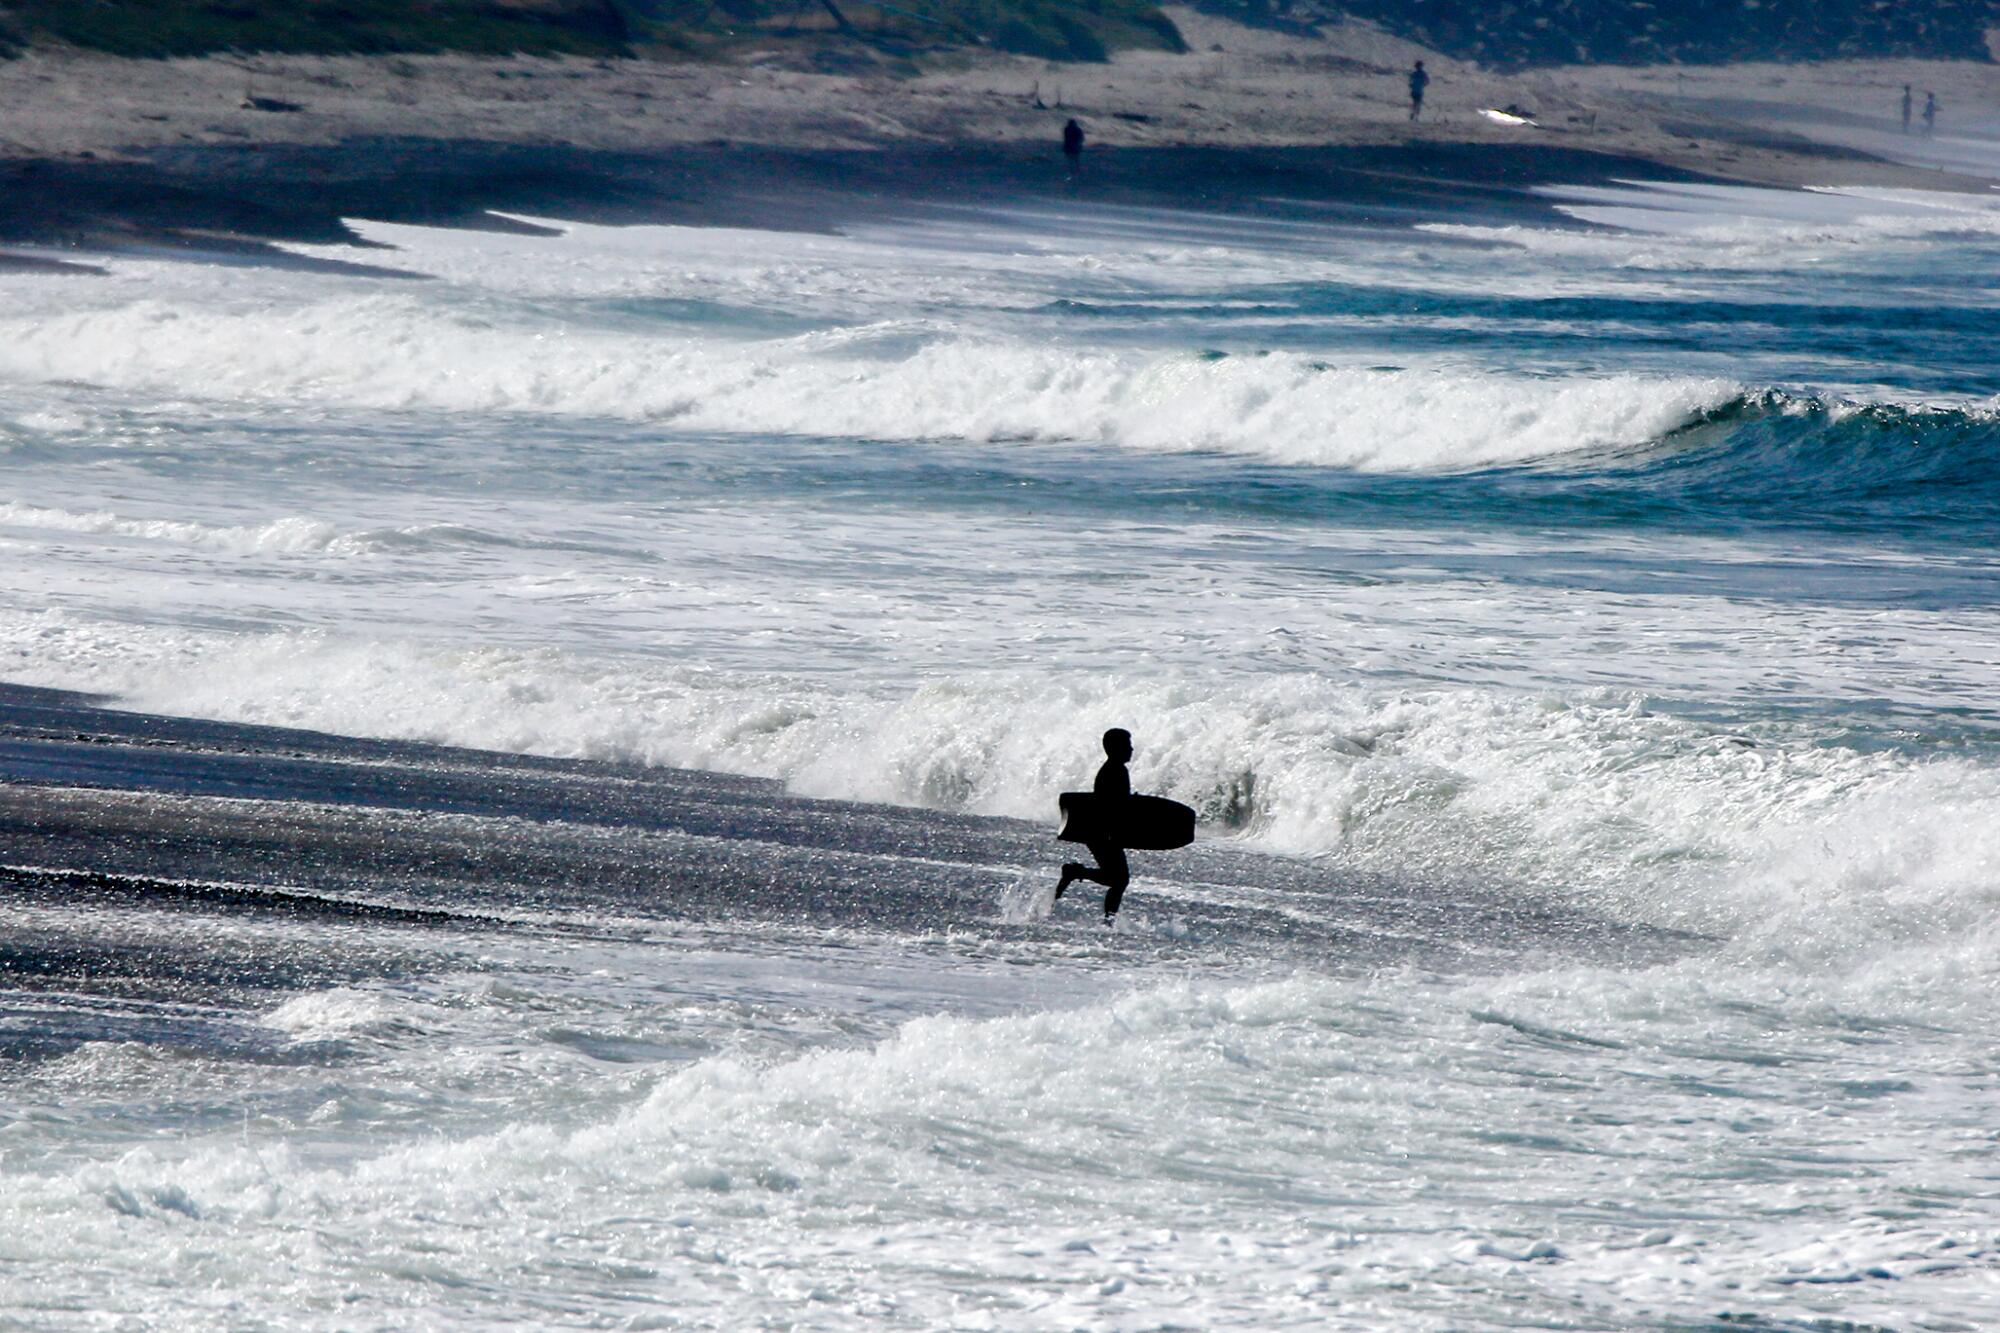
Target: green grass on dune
[1058,29]
[198,27]
[886,34]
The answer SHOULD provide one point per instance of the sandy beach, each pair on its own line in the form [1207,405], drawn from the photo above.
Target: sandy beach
[248,147]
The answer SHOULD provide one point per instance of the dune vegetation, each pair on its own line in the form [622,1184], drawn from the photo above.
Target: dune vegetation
[1056,29]
[1499,33]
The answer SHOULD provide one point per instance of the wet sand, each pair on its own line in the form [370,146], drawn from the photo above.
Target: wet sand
[223,202]
[166,877]
[96,151]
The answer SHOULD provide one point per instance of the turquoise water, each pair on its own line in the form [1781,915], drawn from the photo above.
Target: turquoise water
[1640,562]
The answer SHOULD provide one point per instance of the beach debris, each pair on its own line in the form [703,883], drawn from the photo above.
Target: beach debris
[252,102]
[1510,115]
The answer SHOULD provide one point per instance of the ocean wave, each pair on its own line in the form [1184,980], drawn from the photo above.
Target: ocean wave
[880,382]
[1890,468]
[292,534]
[289,535]
[1774,838]
[911,380]
[1063,1144]
[1845,444]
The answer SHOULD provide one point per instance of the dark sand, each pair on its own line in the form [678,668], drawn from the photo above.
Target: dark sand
[102,153]
[168,878]
[235,201]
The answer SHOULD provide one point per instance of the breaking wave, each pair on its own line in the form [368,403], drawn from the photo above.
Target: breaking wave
[1771,837]
[1723,441]
[1779,445]
[888,382]
[293,534]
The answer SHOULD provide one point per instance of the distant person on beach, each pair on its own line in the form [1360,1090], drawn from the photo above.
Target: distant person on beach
[1906,108]
[1419,80]
[1073,146]
[1113,783]
[1930,112]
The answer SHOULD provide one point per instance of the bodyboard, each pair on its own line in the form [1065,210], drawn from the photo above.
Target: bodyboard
[1142,823]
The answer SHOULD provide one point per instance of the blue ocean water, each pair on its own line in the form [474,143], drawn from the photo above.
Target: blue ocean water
[1640,562]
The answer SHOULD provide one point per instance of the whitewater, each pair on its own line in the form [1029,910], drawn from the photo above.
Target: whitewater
[1579,639]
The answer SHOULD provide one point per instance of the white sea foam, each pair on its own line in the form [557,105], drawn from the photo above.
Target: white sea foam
[974,265]
[1687,229]
[1046,1162]
[401,353]
[289,535]
[324,1015]
[293,534]
[1788,846]
[591,1128]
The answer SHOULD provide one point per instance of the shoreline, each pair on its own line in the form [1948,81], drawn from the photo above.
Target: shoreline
[222,203]
[414,846]
[102,152]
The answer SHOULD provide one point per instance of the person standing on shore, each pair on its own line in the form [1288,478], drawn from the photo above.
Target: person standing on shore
[1930,112]
[1419,80]
[1906,108]
[1073,147]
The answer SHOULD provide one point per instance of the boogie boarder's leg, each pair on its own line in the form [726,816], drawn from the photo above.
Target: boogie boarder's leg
[1114,875]
[1110,871]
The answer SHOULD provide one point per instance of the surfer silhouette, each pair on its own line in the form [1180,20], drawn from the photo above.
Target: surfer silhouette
[1113,785]
[1930,112]
[1419,81]
[1906,108]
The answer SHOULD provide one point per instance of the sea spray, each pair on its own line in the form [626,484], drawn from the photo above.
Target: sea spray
[1577,641]
[1776,836]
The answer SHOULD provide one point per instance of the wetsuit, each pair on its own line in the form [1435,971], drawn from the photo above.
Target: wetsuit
[1113,782]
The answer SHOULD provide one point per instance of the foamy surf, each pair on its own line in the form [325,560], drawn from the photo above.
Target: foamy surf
[403,353]
[1770,837]
[992,1150]
[1577,642]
